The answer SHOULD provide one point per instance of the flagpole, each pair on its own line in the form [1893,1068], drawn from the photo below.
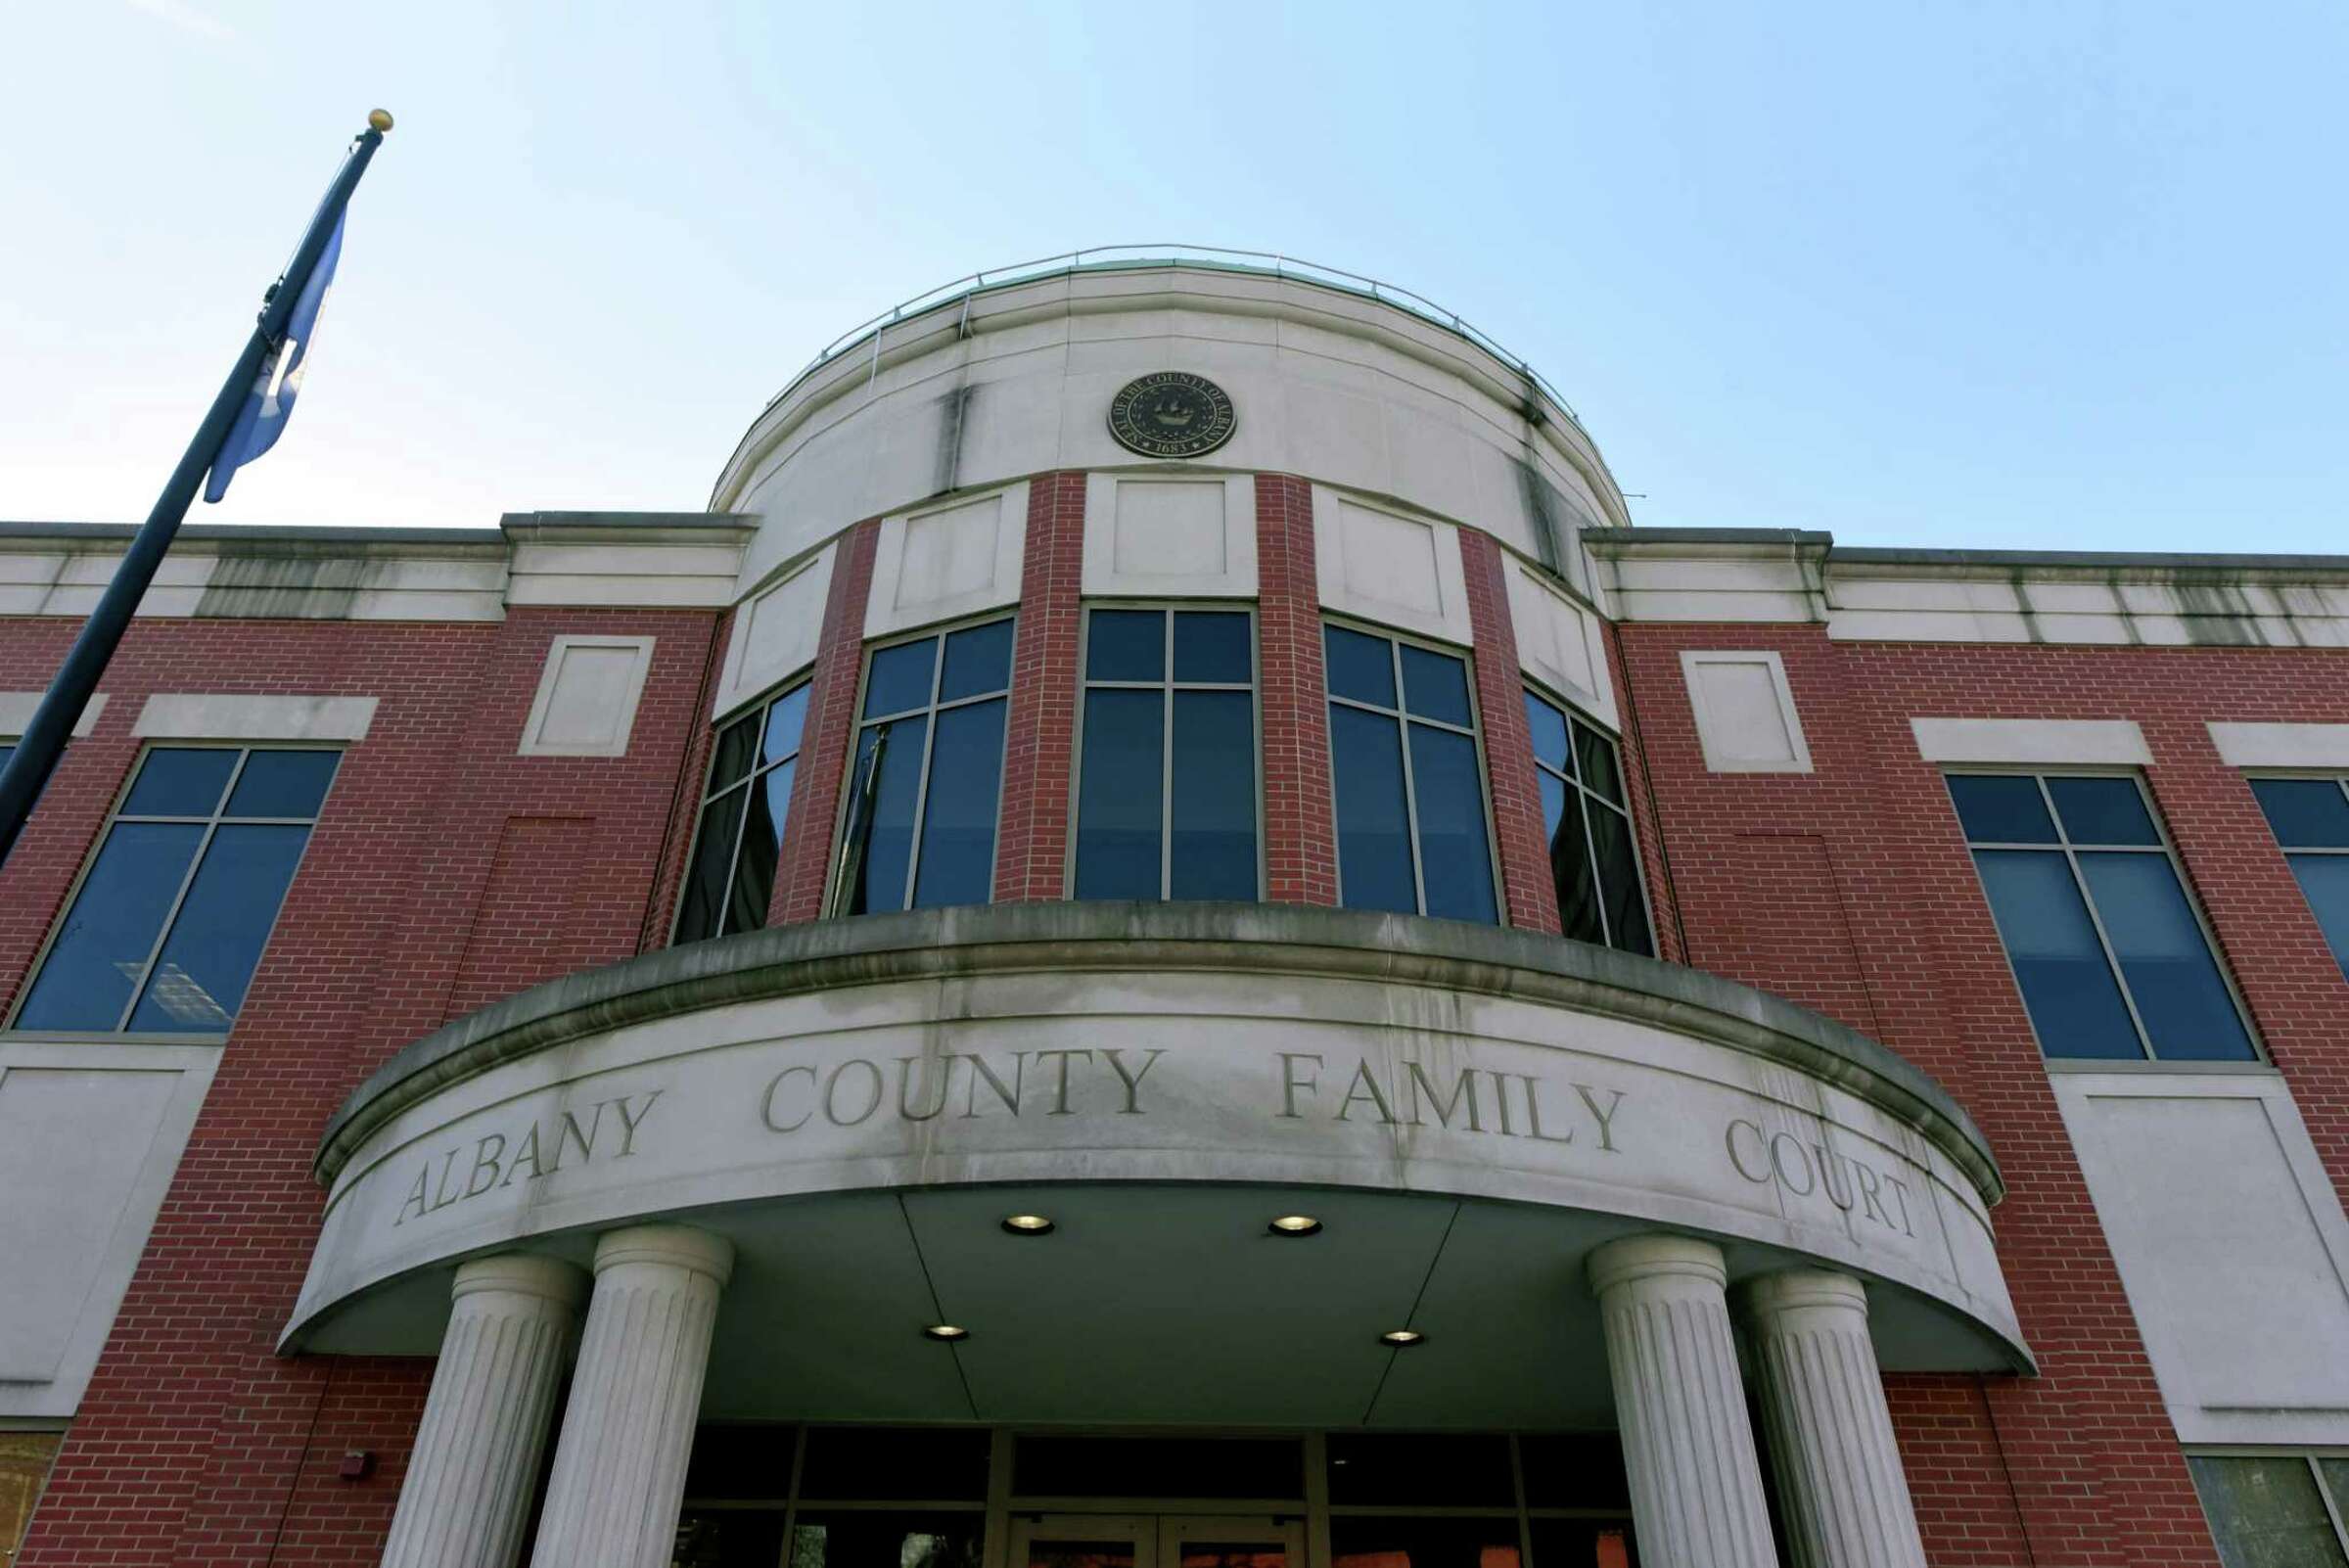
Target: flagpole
[37,751]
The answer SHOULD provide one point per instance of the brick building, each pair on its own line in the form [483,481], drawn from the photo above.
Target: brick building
[1162,942]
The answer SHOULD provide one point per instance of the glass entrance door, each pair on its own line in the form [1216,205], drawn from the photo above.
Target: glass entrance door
[1156,1541]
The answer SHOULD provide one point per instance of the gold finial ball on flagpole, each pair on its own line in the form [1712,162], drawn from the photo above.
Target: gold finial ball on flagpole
[379,119]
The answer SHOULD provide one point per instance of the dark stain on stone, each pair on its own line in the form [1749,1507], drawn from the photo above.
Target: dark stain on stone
[294,588]
[953,418]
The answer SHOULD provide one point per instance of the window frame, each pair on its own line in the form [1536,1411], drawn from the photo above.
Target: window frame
[1404,718]
[211,827]
[838,894]
[1169,686]
[2336,1508]
[2338,778]
[763,706]
[1575,715]
[2165,846]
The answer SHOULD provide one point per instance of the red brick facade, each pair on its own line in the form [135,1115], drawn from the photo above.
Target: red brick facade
[447,871]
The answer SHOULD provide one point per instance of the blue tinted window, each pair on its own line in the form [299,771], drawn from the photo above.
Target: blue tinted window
[1591,860]
[1455,865]
[921,823]
[785,721]
[738,846]
[1125,645]
[1546,727]
[958,815]
[1358,667]
[199,978]
[898,681]
[282,784]
[1215,646]
[978,662]
[177,782]
[2165,959]
[2102,810]
[1374,846]
[2325,878]
[888,785]
[1212,808]
[2068,986]
[166,929]
[1118,808]
[2306,814]
[103,948]
[2149,983]
[2001,811]
[1435,686]
[1167,802]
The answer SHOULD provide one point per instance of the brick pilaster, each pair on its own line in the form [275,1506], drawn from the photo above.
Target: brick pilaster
[1517,827]
[1301,835]
[1032,838]
[803,862]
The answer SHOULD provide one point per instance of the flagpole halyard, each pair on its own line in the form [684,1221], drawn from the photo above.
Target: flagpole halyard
[27,772]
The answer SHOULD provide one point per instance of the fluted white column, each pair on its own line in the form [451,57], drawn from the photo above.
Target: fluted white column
[1841,1488]
[1688,1447]
[467,1495]
[619,1464]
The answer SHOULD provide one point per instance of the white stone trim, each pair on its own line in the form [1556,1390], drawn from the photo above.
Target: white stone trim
[535,742]
[2300,1398]
[1560,643]
[1103,575]
[1717,732]
[2032,742]
[2281,745]
[887,611]
[1342,566]
[152,1150]
[194,715]
[776,632]
[16,709]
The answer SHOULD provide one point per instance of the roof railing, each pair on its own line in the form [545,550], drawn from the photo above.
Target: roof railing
[1126,257]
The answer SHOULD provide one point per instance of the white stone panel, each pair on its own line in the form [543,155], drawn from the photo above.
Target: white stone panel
[2231,1243]
[89,1136]
[951,560]
[16,709]
[776,632]
[2282,745]
[191,716]
[1388,568]
[1171,537]
[2030,741]
[587,696]
[1559,643]
[660,576]
[1745,714]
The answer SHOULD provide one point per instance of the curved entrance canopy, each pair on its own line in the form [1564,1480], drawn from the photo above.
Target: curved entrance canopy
[857,1104]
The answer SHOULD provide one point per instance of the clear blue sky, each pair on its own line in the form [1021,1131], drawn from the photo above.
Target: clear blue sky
[2059,275]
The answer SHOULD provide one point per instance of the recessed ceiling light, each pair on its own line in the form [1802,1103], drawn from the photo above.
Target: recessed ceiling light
[1402,1338]
[1295,1224]
[946,1331]
[1027,1225]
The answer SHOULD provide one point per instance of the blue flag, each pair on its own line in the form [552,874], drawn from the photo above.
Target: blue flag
[271,400]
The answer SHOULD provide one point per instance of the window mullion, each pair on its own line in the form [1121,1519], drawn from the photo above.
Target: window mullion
[725,893]
[1165,766]
[2119,977]
[187,880]
[921,786]
[1598,884]
[2334,1505]
[1410,788]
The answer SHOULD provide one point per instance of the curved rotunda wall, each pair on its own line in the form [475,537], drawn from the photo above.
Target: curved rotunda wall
[1329,385]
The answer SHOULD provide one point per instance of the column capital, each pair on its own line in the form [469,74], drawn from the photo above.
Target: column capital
[676,1246]
[1651,1257]
[523,1274]
[1798,1289]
